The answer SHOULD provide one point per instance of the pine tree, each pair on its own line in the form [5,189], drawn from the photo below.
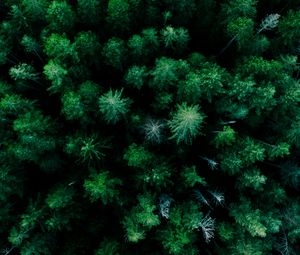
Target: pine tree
[118,15]
[114,52]
[102,186]
[60,16]
[113,106]
[59,48]
[90,12]
[186,123]
[56,74]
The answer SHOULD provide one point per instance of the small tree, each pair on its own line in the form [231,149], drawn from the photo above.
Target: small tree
[175,38]
[102,186]
[114,52]
[60,16]
[186,123]
[113,106]
[118,15]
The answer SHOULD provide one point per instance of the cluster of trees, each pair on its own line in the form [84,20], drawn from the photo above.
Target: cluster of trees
[149,127]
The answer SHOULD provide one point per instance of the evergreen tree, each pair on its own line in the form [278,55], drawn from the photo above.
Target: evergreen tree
[60,16]
[186,123]
[113,106]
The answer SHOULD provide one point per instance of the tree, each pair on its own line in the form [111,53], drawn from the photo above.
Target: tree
[114,52]
[186,123]
[191,178]
[31,45]
[60,197]
[5,49]
[118,15]
[138,156]
[249,218]
[206,83]
[35,10]
[225,137]
[72,107]
[35,136]
[60,16]
[113,106]
[175,38]
[90,12]
[59,48]
[102,186]
[56,74]
[108,247]
[153,130]
[288,28]
[87,46]
[23,72]
[167,72]
[136,76]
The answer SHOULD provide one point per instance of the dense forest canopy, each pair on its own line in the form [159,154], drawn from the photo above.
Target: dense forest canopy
[158,127]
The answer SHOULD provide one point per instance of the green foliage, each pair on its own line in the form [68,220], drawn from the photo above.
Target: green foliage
[167,72]
[288,28]
[23,72]
[225,231]
[158,176]
[113,106]
[136,76]
[241,29]
[134,231]
[59,48]
[60,197]
[145,211]
[60,16]
[72,106]
[251,151]
[15,104]
[175,38]
[249,218]
[114,53]
[178,235]
[191,178]
[137,156]
[87,46]
[5,49]
[206,83]
[35,136]
[253,178]
[56,74]
[86,148]
[290,172]
[186,123]
[8,182]
[236,8]
[35,9]
[118,15]
[90,11]
[278,151]
[250,246]
[108,247]
[30,44]
[225,137]
[102,186]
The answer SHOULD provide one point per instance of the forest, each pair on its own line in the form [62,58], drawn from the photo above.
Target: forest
[154,127]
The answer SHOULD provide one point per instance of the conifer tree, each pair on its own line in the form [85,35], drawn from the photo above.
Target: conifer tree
[113,106]
[186,123]
[60,16]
